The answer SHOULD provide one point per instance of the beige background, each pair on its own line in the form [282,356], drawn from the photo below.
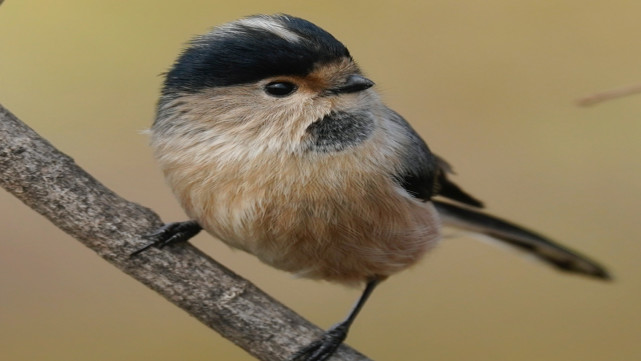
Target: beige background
[489,84]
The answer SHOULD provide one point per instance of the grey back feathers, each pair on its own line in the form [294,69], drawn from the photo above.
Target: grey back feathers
[417,174]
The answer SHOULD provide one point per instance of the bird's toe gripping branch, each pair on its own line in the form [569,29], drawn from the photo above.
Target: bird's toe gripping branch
[169,233]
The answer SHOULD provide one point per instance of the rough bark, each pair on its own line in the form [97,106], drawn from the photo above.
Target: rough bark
[53,185]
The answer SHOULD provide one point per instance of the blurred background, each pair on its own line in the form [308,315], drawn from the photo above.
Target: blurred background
[490,85]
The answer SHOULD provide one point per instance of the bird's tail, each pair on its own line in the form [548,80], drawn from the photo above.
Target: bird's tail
[542,248]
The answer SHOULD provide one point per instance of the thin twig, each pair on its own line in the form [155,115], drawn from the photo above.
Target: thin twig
[609,95]
[53,185]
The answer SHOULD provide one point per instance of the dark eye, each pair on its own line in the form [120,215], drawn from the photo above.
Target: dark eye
[280,88]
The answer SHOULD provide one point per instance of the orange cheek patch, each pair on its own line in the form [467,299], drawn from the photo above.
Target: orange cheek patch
[314,83]
[334,73]
[325,76]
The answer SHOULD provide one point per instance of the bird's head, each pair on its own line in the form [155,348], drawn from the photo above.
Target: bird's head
[268,83]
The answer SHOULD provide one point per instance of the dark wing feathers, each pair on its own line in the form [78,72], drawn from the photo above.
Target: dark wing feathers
[424,173]
[419,164]
[425,176]
[448,189]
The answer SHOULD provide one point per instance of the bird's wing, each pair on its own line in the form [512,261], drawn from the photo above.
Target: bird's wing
[448,189]
[535,244]
[417,174]
[424,174]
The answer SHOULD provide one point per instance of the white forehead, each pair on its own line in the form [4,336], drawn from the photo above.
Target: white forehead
[265,23]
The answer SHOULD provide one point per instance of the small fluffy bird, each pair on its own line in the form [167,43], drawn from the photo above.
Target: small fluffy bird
[274,142]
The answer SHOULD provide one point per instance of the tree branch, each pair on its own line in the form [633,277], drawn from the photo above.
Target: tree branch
[53,185]
[609,95]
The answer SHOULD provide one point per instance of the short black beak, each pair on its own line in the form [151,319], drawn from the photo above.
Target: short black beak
[354,83]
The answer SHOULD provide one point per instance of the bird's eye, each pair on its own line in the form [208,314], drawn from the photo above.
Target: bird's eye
[280,88]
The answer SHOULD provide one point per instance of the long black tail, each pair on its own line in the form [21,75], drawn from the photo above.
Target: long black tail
[542,248]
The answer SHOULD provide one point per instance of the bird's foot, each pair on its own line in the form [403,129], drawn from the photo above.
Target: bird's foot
[170,233]
[325,346]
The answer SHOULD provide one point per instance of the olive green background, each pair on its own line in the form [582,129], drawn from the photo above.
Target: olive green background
[491,86]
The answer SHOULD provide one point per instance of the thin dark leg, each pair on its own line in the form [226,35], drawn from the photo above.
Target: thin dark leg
[170,233]
[324,347]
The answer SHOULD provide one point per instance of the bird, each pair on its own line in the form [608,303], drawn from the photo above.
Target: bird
[275,142]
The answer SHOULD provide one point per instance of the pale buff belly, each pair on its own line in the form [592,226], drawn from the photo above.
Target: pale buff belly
[346,235]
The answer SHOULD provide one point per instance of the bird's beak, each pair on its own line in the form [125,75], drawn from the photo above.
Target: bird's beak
[354,83]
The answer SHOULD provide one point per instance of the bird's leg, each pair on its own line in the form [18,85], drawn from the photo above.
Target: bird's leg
[170,233]
[325,346]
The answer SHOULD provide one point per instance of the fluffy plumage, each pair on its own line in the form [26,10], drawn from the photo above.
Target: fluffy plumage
[274,142]
[310,183]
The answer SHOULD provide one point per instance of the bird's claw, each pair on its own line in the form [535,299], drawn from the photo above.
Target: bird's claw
[169,233]
[324,347]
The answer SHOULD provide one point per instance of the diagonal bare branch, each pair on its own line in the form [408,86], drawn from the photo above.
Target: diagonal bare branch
[53,185]
[609,95]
